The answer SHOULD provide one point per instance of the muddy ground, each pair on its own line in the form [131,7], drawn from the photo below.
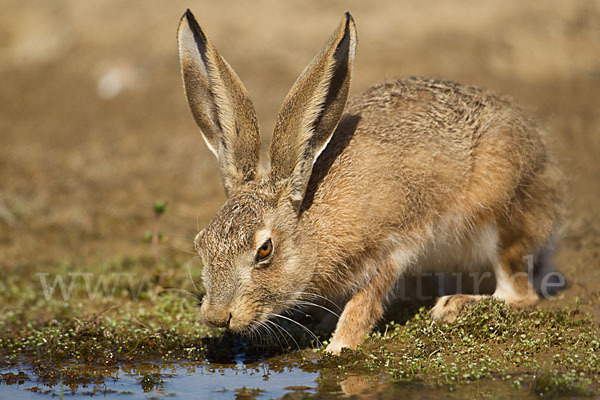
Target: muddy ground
[94,127]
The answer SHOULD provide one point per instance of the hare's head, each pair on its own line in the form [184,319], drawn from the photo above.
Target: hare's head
[257,259]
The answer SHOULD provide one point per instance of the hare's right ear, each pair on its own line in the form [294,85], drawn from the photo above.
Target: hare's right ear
[220,105]
[311,112]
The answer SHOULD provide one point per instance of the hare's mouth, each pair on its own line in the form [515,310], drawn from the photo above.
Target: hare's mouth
[248,321]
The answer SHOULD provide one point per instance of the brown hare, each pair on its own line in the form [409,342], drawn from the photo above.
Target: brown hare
[412,175]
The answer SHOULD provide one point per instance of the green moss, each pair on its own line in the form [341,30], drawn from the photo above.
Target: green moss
[489,341]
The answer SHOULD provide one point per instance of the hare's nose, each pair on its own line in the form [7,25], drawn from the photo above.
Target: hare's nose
[217,317]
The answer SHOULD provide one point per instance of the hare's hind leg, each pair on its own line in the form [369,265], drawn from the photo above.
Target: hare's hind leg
[363,310]
[526,230]
[513,284]
[523,227]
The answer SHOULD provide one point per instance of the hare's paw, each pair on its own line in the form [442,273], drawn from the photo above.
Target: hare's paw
[447,308]
[336,346]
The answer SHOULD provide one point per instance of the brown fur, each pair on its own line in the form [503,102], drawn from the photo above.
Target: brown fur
[412,166]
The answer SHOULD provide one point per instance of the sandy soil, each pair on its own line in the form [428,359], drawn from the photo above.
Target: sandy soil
[94,127]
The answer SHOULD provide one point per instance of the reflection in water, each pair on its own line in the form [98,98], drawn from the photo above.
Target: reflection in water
[268,379]
[279,376]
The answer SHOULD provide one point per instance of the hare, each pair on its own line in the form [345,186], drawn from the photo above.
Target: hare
[412,175]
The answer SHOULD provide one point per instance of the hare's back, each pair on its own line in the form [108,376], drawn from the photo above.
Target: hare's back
[409,150]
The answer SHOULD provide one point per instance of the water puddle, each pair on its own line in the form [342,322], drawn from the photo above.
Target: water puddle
[267,379]
[236,375]
[274,378]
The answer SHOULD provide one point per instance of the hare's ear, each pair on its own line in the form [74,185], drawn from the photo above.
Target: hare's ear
[220,105]
[311,112]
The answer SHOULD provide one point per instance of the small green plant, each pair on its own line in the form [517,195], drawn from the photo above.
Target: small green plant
[160,207]
[150,382]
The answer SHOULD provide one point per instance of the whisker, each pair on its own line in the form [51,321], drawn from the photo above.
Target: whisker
[294,303]
[191,278]
[309,303]
[282,329]
[182,250]
[273,334]
[284,296]
[269,337]
[278,333]
[320,297]
[179,236]
[199,298]
[260,335]
[297,323]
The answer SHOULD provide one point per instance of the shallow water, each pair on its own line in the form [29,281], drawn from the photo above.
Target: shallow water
[181,381]
[268,379]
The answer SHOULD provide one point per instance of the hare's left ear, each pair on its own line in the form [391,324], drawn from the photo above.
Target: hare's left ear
[220,105]
[311,112]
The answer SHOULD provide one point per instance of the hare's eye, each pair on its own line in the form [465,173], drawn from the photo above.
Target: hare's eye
[264,251]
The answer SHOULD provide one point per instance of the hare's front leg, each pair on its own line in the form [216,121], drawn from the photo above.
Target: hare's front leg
[362,311]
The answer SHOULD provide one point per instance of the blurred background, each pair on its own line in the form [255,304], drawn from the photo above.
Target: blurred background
[94,127]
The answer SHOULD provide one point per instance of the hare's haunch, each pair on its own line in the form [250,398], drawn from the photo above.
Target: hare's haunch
[412,175]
